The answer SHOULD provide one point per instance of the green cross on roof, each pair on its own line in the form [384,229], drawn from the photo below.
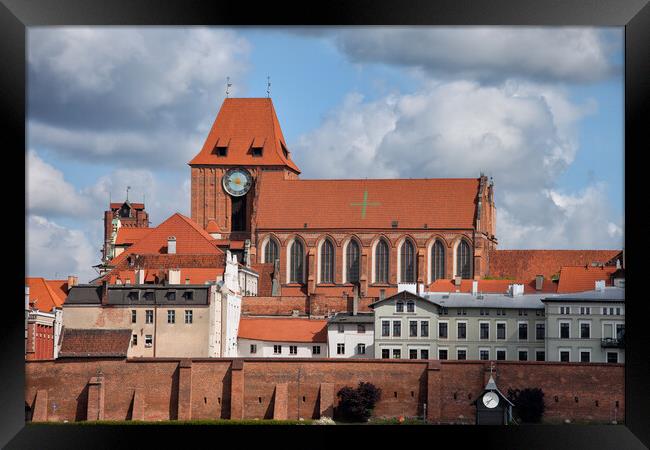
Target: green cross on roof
[364,204]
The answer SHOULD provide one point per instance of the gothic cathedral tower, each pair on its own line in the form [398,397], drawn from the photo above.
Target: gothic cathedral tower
[245,145]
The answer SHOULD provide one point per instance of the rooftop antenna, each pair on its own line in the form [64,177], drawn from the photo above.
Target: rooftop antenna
[268,87]
[228,85]
[128,188]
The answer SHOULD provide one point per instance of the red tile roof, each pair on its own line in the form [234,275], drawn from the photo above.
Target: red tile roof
[95,342]
[130,235]
[45,293]
[581,278]
[60,287]
[213,227]
[283,329]
[240,123]
[491,286]
[526,264]
[190,239]
[329,204]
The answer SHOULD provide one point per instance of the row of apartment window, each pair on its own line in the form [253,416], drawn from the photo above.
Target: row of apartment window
[361,328]
[150,295]
[501,354]
[585,330]
[407,253]
[171,316]
[461,329]
[586,310]
[444,311]
[293,349]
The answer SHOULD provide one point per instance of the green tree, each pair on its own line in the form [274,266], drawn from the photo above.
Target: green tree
[529,404]
[356,405]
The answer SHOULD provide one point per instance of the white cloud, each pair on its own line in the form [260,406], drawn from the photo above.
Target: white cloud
[48,193]
[130,96]
[522,134]
[55,251]
[487,53]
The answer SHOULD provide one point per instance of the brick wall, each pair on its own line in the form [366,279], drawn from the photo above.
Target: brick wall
[315,304]
[163,389]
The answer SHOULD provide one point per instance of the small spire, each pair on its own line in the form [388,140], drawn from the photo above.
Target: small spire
[228,85]
[268,87]
[128,188]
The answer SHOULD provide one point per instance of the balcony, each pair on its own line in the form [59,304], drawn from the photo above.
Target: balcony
[612,343]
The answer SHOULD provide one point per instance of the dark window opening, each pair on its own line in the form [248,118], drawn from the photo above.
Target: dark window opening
[381,262]
[327,262]
[239,213]
[352,262]
[463,260]
[221,151]
[407,256]
[297,261]
[271,251]
[437,261]
[256,152]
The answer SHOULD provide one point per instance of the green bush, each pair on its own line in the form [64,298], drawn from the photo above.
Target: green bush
[356,405]
[529,404]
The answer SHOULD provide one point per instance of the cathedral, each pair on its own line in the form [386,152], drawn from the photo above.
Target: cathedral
[333,236]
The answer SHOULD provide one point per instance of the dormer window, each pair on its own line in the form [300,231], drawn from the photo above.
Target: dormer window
[134,295]
[284,150]
[256,152]
[221,151]
[188,295]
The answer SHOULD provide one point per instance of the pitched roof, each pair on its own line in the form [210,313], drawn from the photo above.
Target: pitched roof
[240,123]
[491,286]
[60,287]
[526,264]
[130,235]
[133,205]
[283,329]
[328,204]
[583,278]
[95,342]
[46,294]
[190,239]
[213,227]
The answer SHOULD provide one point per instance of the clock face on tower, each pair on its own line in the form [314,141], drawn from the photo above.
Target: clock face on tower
[491,399]
[237,182]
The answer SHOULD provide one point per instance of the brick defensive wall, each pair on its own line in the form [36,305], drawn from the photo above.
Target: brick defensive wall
[170,389]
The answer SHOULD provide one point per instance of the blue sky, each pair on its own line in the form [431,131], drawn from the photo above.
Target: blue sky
[539,109]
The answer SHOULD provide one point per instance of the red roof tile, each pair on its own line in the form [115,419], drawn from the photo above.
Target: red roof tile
[190,239]
[240,124]
[195,275]
[130,235]
[213,227]
[95,342]
[45,296]
[283,329]
[526,264]
[491,286]
[60,287]
[581,278]
[329,204]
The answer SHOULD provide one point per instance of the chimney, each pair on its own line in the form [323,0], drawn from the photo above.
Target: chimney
[72,281]
[174,276]
[474,287]
[516,289]
[539,282]
[600,285]
[171,245]
[457,280]
[139,276]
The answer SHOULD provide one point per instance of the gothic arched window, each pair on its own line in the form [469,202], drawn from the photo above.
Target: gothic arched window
[352,262]
[437,261]
[327,262]
[381,262]
[407,262]
[297,261]
[463,260]
[271,251]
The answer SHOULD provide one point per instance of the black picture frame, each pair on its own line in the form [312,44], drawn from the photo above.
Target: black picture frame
[634,15]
